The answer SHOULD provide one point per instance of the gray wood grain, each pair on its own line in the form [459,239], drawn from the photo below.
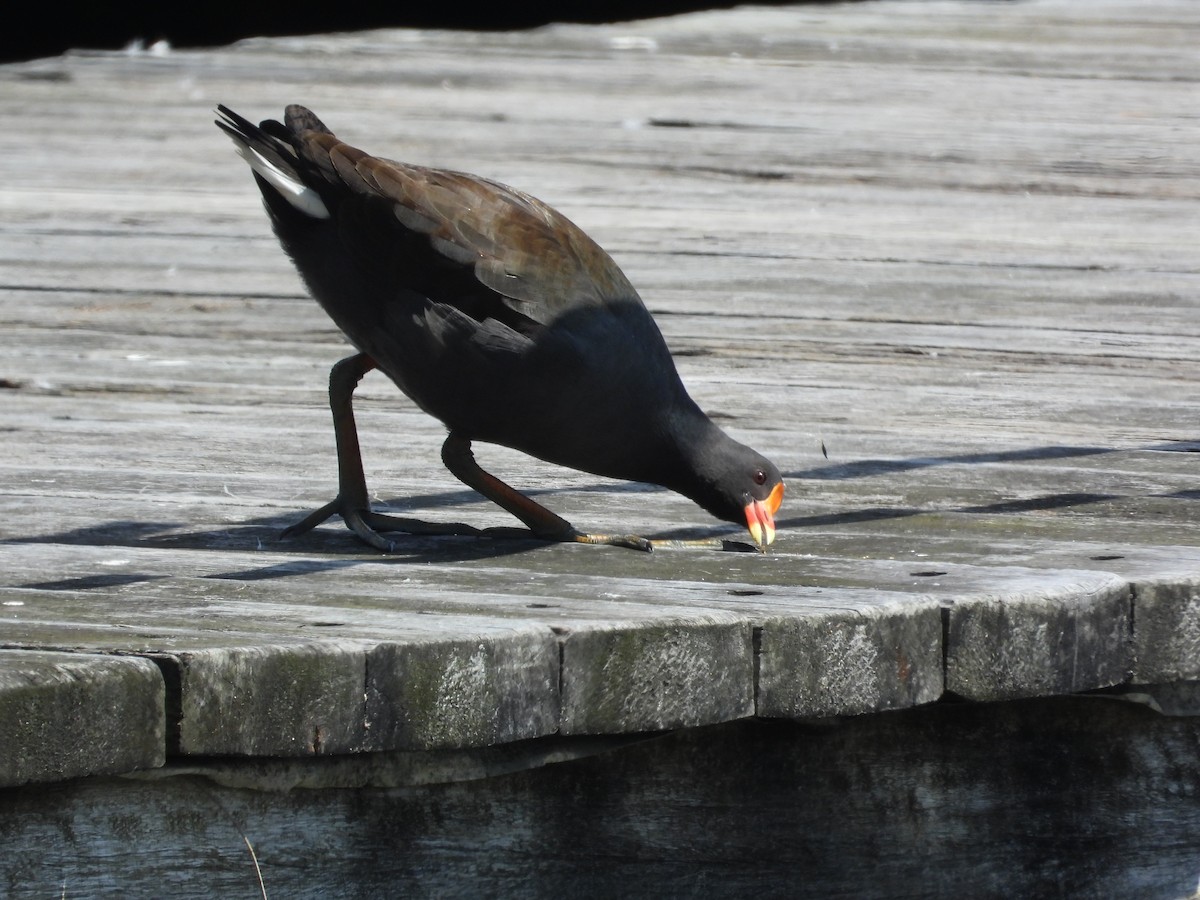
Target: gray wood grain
[939,262]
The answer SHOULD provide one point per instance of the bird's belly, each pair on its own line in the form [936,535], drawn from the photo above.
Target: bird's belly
[583,424]
[591,394]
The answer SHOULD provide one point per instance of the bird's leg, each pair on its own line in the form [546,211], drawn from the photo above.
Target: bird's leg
[352,503]
[457,455]
[458,458]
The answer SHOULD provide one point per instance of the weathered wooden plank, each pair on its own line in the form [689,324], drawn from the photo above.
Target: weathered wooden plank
[68,715]
[263,700]
[615,629]
[1043,644]
[847,662]
[618,680]
[1167,639]
[939,262]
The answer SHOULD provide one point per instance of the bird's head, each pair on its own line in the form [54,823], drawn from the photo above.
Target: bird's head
[761,502]
[738,484]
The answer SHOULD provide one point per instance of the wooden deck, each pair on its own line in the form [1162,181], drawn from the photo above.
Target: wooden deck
[951,245]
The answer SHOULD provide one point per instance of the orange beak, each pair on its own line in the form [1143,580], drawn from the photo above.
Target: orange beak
[760,517]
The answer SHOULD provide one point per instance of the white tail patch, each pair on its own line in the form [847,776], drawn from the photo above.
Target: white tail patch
[302,197]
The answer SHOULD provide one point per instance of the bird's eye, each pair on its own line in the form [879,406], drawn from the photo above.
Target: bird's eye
[760,477]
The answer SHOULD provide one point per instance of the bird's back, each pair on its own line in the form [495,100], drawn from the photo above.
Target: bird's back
[491,310]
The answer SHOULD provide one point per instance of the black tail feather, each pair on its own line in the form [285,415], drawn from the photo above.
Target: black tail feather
[271,139]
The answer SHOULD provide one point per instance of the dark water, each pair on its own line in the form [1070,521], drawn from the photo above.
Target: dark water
[1077,797]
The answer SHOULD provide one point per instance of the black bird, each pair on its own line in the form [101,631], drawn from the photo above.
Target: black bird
[497,315]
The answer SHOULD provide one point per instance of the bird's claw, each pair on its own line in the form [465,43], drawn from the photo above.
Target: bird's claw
[368,525]
[649,545]
[314,518]
[632,541]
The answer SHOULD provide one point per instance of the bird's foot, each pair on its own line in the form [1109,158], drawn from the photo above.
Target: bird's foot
[648,545]
[632,541]
[706,544]
[368,525]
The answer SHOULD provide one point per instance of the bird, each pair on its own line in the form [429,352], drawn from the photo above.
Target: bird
[497,315]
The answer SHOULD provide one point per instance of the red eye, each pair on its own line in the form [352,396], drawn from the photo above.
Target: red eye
[760,477]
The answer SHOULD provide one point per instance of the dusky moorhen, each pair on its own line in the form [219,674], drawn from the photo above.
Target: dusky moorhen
[500,317]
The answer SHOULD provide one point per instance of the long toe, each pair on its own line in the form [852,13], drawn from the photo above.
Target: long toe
[383,522]
[313,519]
[368,525]
[637,542]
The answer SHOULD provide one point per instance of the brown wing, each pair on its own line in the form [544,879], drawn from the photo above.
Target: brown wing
[539,262]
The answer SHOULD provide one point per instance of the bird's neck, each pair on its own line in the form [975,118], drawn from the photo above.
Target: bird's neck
[694,446]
